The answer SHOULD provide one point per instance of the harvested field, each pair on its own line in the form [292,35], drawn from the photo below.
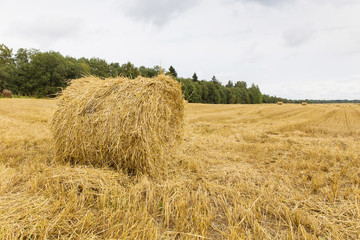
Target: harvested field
[243,172]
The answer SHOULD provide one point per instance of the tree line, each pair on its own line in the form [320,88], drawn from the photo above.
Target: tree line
[30,72]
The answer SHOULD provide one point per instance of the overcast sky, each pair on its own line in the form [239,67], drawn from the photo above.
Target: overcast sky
[291,48]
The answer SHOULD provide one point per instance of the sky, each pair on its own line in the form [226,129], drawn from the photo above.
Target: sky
[296,49]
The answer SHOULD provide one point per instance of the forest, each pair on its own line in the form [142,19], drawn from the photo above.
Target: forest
[32,73]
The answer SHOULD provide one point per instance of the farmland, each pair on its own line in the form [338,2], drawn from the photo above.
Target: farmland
[242,172]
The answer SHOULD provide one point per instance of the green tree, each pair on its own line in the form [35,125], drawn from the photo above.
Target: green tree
[191,90]
[214,93]
[115,69]
[5,55]
[204,92]
[147,72]
[159,69]
[7,68]
[172,72]
[99,67]
[129,70]
[223,95]
[197,94]
[230,84]
[47,74]
[255,94]
[230,95]
[7,76]
[214,79]
[74,68]
[195,77]
[240,84]
[187,88]
[22,61]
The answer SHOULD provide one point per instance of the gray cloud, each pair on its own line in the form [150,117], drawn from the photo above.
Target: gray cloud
[46,30]
[281,2]
[298,35]
[265,2]
[159,12]
[269,2]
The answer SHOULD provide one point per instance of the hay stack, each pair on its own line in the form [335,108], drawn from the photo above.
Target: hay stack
[304,103]
[280,103]
[129,124]
[7,93]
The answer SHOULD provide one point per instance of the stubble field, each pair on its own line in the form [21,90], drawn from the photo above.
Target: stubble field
[242,172]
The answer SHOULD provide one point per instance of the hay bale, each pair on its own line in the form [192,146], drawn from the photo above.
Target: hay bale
[7,93]
[280,103]
[304,103]
[128,124]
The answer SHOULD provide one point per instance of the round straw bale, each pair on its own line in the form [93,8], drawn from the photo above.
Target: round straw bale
[6,93]
[128,124]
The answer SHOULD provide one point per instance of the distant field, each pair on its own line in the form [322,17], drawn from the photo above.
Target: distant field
[243,172]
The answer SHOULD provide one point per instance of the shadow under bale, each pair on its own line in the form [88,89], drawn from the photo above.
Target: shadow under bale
[126,124]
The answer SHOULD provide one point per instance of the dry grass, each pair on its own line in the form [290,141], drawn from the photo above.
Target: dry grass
[126,124]
[244,172]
